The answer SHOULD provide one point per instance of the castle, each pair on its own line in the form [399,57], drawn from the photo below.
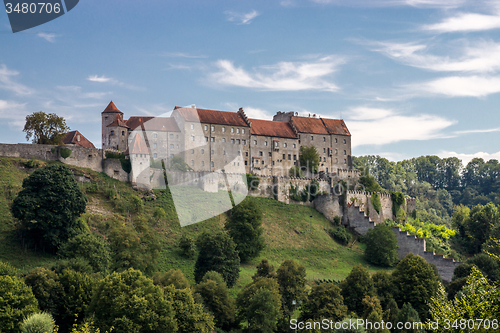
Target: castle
[210,140]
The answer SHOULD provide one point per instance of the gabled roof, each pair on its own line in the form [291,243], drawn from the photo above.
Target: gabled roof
[76,138]
[118,122]
[211,116]
[272,128]
[111,108]
[138,146]
[153,124]
[336,126]
[309,125]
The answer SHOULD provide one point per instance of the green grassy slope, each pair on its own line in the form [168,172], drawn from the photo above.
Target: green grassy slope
[289,231]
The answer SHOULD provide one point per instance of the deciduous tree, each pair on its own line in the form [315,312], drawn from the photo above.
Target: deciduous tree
[45,128]
[381,246]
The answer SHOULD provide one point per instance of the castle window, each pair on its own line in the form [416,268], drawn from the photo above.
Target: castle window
[192,151]
[294,145]
[213,128]
[223,139]
[324,139]
[155,135]
[192,162]
[232,129]
[212,139]
[105,118]
[203,151]
[239,153]
[255,142]
[192,126]
[324,150]
[192,137]
[270,154]
[246,162]
[212,164]
[289,157]
[324,159]
[154,145]
[336,140]
[345,161]
[155,155]
[238,130]
[294,157]
[123,133]
[223,129]
[312,138]
[202,163]
[224,152]
[345,152]
[336,151]
[112,132]
[345,141]
[171,136]
[276,144]
[243,132]
[262,162]
[246,154]
[212,151]
[244,142]
[284,156]
[232,141]
[171,146]
[272,162]
[238,141]
[206,127]
[284,145]
[261,154]
[177,147]
[265,143]
[177,136]
[206,138]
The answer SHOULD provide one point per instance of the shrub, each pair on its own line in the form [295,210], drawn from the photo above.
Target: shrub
[341,235]
[137,203]
[295,171]
[126,164]
[32,164]
[253,182]
[375,199]
[112,154]
[38,323]
[381,246]
[92,188]
[336,220]
[187,246]
[65,153]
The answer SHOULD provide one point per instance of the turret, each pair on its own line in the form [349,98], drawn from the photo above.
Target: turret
[108,116]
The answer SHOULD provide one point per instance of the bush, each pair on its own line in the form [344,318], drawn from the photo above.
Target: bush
[90,247]
[32,164]
[341,235]
[126,164]
[38,323]
[295,171]
[137,204]
[187,246]
[92,188]
[65,153]
[375,199]
[253,182]
[117,155]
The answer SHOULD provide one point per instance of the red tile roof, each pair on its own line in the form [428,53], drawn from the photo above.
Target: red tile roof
[111,108]
[272,128]
[138,146]
[76,138]
[153,124]
[211,116]
[309,125]
[118,122]
[336,126]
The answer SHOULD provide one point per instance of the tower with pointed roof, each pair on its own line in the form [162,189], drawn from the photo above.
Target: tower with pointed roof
[114,129]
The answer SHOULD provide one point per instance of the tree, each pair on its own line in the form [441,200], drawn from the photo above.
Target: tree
[382,281]
[247,302]
[38,323]
[356,286]
[408,315]
[485,263]
[217,252]
[187,246]
[245,228]
[371,304]
[291,280]
[324,301]
[7,269]
[45,128]
[349,325]
[262,314]
[49,205]
[46,287]
[130,302]
[90,247]
[381,246]
[16,303]
[173,277]
[309,158]
[416,283]
[215,296]
[264,269]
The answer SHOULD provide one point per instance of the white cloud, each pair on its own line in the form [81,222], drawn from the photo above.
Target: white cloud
[283,76]
[6,82]
[482,56]
[459,86]
[242,18]
[466,158]
[49,37]
[183,55]
[465,22]
[487,130]
[385,126]
[389,3]
[257,113]
[95,78]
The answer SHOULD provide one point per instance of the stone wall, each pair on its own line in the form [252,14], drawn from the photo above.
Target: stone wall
[328,205]
[113,168]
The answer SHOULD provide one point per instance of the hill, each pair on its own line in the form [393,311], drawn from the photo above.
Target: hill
[289,231]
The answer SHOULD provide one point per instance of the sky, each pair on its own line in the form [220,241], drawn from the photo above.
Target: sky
[409,77]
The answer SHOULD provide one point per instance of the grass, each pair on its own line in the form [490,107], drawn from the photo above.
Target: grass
[289,230]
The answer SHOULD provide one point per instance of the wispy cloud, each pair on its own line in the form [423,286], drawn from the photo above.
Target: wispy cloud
[459,86]
[241,18]
[464,22]
[6,82]
[283,76]
[486,130]
[466,158]
[390,3]
[481,56]
[104,79]
[49,37]
[384,126]
[184,55]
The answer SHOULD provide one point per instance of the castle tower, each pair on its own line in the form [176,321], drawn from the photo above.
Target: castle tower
[108,116]
[139,155]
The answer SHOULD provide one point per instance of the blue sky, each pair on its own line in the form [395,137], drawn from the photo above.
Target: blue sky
[409,77]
